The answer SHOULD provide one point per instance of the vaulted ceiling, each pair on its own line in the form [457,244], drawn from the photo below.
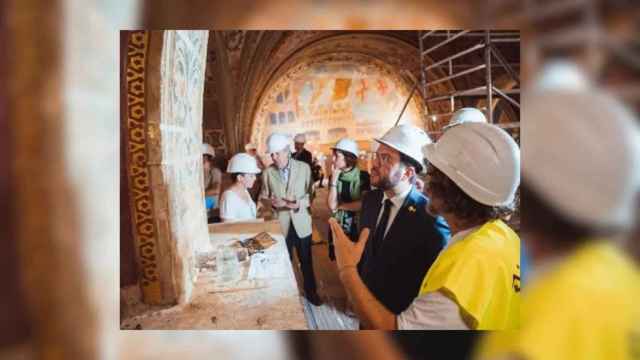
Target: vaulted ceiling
[243,65]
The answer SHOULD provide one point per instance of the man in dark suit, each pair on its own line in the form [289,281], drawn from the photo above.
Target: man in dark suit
[404,239]
[302,154]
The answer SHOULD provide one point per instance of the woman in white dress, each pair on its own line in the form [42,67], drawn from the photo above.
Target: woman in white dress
[236,203]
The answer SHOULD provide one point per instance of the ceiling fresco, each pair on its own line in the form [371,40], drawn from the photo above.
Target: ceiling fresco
[356,97]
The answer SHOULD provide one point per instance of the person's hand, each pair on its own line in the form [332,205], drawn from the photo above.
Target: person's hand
[260,208]
[348,253]
[419,185]
[277,202]
[335,174]
[293,204]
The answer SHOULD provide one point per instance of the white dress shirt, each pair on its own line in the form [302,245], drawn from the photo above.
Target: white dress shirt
[397,201]
[285,173]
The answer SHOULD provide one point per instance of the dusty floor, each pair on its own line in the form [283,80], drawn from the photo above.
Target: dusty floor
[333,314]
[202,314]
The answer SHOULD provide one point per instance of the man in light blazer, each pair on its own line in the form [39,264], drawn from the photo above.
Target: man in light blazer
[286,189]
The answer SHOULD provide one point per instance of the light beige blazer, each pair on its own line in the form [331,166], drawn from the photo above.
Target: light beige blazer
[298,188]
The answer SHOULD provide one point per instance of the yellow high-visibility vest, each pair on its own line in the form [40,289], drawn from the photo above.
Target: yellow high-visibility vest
[481,273]
[587,307]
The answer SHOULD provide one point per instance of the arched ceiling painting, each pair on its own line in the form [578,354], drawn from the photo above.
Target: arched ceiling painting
[293,81]
[332,84]
[328,99]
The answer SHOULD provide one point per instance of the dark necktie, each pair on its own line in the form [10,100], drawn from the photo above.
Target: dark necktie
[382,225]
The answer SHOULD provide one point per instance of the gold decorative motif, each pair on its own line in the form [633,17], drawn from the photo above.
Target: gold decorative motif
[151,132]
[139,177]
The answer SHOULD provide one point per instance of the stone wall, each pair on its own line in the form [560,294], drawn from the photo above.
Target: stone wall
[213,126]
[164,85]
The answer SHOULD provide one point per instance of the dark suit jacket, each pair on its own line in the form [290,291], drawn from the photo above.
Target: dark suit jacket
[393,270]
[305,156]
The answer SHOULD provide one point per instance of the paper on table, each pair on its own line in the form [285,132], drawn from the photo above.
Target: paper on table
[264,266]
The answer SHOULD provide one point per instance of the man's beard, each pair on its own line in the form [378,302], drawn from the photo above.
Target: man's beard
[384,184]
[388,182]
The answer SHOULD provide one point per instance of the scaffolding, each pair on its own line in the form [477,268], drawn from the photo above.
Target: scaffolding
[579,24]
[483,40]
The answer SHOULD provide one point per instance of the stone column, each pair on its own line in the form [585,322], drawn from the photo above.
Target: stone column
[165,80]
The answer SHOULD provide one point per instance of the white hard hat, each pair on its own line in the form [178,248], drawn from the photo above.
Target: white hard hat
[277,142]
[300,138]
[208,149]
[561,74]
[464,115]
[482,159]
[348,145]
[582,155]
[243,163]
[408,140]
[250,146]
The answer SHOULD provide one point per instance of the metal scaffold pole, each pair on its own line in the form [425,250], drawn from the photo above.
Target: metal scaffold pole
[486,40]
[488,80]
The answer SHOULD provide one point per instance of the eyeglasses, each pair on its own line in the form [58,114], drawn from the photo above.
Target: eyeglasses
[384,158]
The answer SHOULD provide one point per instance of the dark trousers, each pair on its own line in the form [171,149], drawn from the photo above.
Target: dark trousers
[303,248]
